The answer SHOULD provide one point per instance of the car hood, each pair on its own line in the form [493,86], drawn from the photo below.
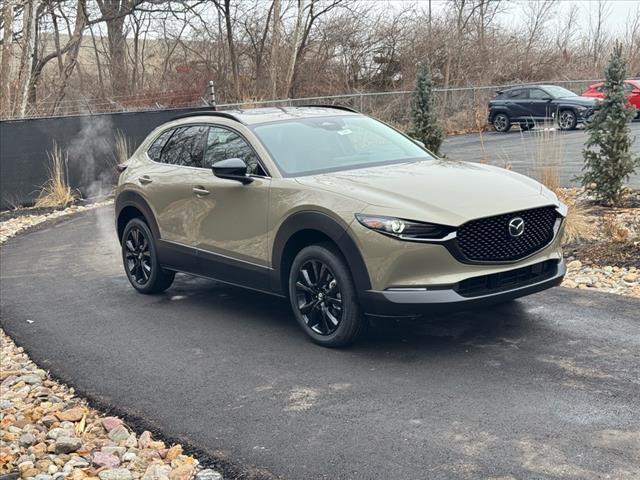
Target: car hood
[582,101]
[439,191]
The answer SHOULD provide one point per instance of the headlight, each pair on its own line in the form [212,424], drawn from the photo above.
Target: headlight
[404,229]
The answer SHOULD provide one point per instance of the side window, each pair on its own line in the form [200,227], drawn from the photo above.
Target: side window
[519,94]
[185,147]
[628,87]
[223,144]
[538,94]
[156,147]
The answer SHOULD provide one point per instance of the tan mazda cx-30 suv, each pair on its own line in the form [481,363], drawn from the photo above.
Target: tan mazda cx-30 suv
[339,212]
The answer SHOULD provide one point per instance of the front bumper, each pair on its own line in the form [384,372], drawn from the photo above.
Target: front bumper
[417,301]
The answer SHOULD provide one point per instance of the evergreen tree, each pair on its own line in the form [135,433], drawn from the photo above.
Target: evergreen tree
[424,124]
[608,161]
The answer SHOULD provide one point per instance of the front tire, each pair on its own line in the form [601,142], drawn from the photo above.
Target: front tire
[140,259]
[323,297]
[567,119]
[501,122]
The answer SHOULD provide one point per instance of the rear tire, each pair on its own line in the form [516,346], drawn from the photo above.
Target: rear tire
[323,296]
[501,122]
[567,119]
[140,259]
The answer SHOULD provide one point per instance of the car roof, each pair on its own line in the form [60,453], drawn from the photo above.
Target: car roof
[254,116]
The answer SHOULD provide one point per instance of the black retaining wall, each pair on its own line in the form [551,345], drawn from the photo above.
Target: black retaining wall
[88,141]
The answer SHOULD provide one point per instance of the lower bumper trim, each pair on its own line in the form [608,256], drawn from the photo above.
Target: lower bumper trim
[412,302]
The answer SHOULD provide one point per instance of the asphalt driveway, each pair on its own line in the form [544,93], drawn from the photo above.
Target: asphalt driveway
[546,387]
[526,152]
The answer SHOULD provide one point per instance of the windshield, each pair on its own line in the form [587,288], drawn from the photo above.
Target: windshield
[323,144]
[559,92]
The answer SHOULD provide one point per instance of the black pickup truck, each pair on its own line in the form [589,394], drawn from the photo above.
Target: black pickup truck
[528,104]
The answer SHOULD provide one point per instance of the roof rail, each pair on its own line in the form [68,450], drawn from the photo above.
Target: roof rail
[208,113]
[337,107]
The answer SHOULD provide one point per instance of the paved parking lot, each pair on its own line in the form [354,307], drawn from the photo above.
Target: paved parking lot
[520,150]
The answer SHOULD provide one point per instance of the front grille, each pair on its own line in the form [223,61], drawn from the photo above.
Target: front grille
[498,282]
[488,239]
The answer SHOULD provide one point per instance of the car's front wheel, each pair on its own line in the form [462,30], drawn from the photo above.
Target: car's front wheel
[140,259]
[323,297]
[501,122]
[567,119]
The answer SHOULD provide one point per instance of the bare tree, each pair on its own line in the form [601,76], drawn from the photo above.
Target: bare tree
[30,22]
[7,57]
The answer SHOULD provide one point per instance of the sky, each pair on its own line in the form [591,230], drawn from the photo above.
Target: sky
[618,11]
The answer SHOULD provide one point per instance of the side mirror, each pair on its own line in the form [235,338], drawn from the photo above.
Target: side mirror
[232,169]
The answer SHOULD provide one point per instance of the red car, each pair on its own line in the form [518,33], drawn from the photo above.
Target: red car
[631,87]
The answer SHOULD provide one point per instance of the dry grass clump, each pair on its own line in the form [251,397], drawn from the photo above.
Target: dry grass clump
[547,159]
[123,147]
[614,229]
[576,225]
[56,192]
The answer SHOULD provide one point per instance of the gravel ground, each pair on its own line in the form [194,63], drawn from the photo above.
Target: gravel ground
[24,219]
[50,434]
[607,257]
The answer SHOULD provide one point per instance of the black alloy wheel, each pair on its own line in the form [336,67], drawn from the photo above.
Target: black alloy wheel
[138,256]
[318,297]
[567,120]
[323,296]
[501,123]
[141,261]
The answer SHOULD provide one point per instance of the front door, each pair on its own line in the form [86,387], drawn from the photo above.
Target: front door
[539,102]
[229,219]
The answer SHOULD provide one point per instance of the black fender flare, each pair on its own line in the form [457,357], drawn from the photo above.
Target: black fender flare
[335,229]
[134,199]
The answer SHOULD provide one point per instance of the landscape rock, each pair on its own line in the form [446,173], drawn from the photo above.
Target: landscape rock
[103,459]
[184,472]
[26,440]
[72,415]
[157,471]
[119,434]
[109,423]
[115,474]
[67,444]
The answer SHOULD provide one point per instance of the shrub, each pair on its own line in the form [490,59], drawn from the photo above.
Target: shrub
[608,161]
[424,123]
[56,192]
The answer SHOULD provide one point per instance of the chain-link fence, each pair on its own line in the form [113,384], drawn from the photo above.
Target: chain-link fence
[460,105]
[463,107]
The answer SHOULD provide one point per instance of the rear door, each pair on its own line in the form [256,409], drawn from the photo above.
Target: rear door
[176,156]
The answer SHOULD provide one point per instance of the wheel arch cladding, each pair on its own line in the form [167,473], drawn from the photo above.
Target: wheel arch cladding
[131,205]
[308,228]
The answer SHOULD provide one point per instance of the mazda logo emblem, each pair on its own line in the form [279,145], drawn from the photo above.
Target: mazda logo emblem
[516,227]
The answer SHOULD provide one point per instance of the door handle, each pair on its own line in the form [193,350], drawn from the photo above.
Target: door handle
[200,191]
[145,179]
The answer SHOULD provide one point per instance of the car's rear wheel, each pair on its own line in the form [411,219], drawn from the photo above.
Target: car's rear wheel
[501,122]
[567,119]
[140,259]
[323,296]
